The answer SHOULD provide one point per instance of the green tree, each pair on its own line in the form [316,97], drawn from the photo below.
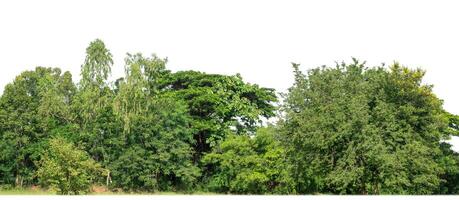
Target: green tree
[93,105]
[66,168]
[35,103]
[450,163]
[56,96]
[219,105]
[356,130]
[97,65]
[156,154]
[249,165]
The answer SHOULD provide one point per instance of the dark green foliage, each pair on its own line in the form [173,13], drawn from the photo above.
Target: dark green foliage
[217,104]
[156,154]
[30,107]
[449,161]
[7,158]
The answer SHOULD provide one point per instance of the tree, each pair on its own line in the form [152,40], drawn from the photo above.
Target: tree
[97,65]
[67,168]
[356,130]
[219,105]
[56,97]
[249,165]
[30,107]
[156,154]
[93,104]
[449,161]
[7,158]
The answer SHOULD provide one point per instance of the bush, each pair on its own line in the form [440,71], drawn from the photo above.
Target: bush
[67,169]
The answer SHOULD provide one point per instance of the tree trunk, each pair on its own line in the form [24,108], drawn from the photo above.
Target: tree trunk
[109,179]
[19,181]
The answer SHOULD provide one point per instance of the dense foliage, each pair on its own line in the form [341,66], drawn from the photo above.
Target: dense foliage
[343,130]
[155,151]
[31,109]
[67,169]
[354,130]
[250,165]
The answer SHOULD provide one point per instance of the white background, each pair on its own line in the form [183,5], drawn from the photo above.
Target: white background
[258,39]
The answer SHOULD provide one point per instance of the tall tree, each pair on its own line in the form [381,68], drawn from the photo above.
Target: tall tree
[93,102]
[156,154]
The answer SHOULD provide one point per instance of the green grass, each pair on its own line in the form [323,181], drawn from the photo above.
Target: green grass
[30,191]
[24,191]
[152,193]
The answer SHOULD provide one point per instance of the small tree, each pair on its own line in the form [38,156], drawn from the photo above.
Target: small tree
[245,165]
[66,168]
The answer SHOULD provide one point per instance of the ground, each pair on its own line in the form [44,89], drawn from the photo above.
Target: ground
[97,190]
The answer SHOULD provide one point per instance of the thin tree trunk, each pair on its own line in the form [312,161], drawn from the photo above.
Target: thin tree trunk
[17,180]
[109,179]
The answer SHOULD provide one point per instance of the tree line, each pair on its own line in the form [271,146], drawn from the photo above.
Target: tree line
[348,129]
